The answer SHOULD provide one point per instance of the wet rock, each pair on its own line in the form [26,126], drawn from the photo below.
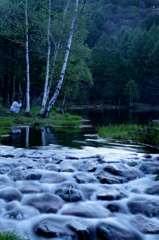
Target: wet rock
[113,208]
[109,179]
[31,187]
[69,194]
[84,178]
[72,157]
[153,190]
[81,230]
[113,170]
[52,167]
[147,156]
[109,194]
[149,208]
[33,176]
[52,177]
[132,163]
[126,172]
[145,225]
[150,168]
[10,194]
[18,212]
[88,166]
[45,203]
[110,232]
[8,155]
[56,159]
[4,168]
[86,210]
[5,182]
[18,174]
[68,169]
[51,229]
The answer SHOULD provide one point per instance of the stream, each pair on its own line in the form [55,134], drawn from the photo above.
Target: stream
[77,186]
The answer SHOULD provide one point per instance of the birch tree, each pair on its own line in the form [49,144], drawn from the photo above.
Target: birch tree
[27,60]
[48,63]
[62,74]
[57,47]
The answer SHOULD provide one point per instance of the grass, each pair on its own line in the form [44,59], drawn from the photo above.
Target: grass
[147,135]
[122,131]
[11,236]
[9,119]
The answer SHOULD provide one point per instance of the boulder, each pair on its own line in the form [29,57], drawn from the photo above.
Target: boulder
[107,231]
[10,193]
[45,203]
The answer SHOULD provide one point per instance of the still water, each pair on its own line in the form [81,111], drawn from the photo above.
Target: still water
[78,138]
[73,185]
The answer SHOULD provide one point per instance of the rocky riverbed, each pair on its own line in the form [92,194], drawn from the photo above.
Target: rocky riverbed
[88,194]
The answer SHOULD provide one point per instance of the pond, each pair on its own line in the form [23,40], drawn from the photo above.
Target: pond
[62,185]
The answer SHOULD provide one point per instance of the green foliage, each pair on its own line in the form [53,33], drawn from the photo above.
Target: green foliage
[122,131]
[11,236]
[147,135]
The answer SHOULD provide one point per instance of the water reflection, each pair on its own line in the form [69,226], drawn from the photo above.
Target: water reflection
[113,116]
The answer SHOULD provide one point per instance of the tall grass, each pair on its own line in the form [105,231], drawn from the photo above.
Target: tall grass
[148,134]
[122,131]
[11,236]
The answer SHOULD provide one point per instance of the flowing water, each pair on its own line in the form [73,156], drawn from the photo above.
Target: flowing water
[77,186]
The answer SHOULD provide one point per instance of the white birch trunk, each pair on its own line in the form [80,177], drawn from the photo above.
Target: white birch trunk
[48,64]
[27,137]
[27,60]
[44,102]
[54,97]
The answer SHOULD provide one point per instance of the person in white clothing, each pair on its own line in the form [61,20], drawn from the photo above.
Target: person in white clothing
[16,105]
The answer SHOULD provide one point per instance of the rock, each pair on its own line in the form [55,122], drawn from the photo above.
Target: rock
[113,170]
[145,225]
[31,187]
[84,178]
[49,228]
[10,194]
[150,168]
[52,177]
[154,123]
[45,203]
[4,168]
[5,182]
[52,167]
[109,178]
[69,194]
[153,190]
[149,208]
[113,208]
[109,194]
[18,174]
[107,231]
[81,230]
[85,210]
[33,176]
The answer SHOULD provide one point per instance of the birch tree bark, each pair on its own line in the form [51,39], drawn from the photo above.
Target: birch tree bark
[59,85]
[57,47]
[45,95]
[27,60]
